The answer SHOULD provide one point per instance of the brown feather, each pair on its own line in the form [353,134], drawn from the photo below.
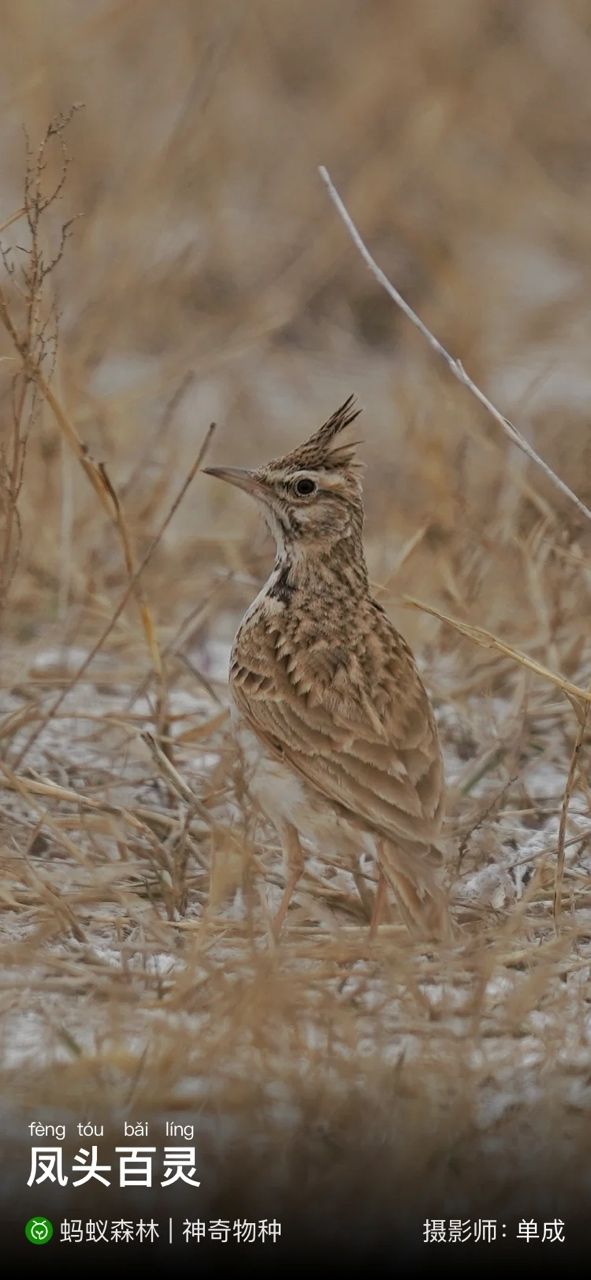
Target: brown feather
[327,684]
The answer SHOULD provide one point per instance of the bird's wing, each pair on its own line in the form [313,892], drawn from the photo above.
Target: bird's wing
[368,744]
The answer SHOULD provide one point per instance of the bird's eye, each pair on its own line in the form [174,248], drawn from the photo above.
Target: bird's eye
[304,487]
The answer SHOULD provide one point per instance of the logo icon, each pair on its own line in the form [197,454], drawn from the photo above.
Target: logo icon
[39,1230]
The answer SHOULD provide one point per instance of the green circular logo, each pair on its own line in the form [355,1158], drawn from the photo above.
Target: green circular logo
[39,1230]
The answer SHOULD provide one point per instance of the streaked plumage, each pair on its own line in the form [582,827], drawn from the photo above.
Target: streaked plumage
[338,731]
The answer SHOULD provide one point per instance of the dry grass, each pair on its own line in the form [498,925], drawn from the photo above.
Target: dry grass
[209,279]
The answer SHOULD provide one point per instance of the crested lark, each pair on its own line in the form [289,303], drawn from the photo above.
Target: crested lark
[335,724]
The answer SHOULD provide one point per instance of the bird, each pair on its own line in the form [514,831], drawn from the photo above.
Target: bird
[335,726]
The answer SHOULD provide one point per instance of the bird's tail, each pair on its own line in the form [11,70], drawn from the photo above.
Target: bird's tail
[422,900]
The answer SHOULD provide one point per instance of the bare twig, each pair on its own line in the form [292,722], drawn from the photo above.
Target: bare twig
[488,641]
[105,633]
[455,366]
[172,775]
[568,790]
[95,472]
[33,331]
[14,217]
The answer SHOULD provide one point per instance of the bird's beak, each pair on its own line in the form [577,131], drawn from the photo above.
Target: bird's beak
[239,476]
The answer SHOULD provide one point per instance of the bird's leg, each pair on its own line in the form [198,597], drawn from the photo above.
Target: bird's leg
[295,865]
[378,904]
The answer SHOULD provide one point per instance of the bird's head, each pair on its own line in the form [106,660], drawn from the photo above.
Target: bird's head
[312,496]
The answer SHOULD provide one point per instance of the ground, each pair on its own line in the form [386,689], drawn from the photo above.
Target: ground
[210,279]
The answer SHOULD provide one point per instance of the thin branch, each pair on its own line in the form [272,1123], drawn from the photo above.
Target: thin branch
[456,367]
[95,472]
[131,585]
[568,790]
[14,217]
[489,641]
[33,332]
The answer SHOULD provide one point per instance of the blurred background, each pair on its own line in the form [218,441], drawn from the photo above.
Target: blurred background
[207,277]
[210,278]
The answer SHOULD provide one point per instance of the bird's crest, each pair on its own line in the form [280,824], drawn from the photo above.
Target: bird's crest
[319,450]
